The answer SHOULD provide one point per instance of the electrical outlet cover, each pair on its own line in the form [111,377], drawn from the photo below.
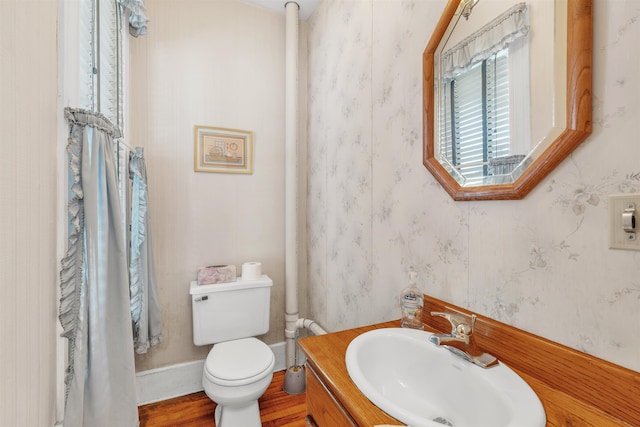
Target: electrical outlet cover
[618,238]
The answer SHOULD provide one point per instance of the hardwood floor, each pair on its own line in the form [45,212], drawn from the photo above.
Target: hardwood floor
[277,409]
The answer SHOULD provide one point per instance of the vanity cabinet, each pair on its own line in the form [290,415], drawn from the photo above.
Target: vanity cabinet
[575,389]
[322,407]
[333,400]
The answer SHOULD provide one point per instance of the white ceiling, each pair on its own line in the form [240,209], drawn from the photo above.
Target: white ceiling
[306,6]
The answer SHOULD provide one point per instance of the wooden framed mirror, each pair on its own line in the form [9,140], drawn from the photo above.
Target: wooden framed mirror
[563,97]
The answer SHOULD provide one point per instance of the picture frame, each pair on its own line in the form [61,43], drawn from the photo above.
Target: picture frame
[223,150]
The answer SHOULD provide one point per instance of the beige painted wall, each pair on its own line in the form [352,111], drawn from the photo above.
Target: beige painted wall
[214,63]
[28,268]
[372,209]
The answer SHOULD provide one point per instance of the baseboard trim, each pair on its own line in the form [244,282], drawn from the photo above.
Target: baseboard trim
[181,379]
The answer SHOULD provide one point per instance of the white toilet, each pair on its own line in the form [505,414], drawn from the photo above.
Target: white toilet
[239,367]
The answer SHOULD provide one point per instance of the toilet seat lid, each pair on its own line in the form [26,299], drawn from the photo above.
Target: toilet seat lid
[239,359]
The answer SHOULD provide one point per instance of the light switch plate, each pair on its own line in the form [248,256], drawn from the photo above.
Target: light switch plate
[618,238]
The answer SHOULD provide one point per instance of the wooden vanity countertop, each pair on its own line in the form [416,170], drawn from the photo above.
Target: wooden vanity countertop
[576,389]
[326,355]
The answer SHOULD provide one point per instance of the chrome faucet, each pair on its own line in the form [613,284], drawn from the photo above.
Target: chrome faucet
[461,340]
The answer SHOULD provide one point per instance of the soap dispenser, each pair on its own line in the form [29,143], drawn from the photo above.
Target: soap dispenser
[411,302]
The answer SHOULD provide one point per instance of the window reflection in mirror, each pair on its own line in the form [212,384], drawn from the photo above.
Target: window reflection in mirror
[558,83]
[484,115]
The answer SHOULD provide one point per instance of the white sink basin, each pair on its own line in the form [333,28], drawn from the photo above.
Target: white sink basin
[423,385]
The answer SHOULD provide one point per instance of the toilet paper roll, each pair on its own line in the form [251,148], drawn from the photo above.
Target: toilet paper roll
[251,270]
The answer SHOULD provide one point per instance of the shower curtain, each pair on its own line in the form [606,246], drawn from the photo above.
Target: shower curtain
[145,308]
[95,302]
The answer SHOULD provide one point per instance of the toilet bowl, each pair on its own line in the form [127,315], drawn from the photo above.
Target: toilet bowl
[239,367]
[236,374]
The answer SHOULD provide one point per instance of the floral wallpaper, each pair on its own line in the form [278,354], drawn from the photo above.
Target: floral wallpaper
[541,264]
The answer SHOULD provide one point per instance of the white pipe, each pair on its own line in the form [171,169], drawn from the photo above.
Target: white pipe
[292,321]
[311,325]
[291,179]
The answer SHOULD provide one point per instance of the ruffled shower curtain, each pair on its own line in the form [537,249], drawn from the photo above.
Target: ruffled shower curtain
[145,307]
[138,18]
[95,301]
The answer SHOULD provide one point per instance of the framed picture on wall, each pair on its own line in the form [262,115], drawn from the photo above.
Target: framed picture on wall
[222,150]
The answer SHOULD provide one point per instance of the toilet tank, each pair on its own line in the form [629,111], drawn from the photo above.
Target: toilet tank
[229,311]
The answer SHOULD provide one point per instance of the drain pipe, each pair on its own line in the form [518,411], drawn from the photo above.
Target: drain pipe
[294,377]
